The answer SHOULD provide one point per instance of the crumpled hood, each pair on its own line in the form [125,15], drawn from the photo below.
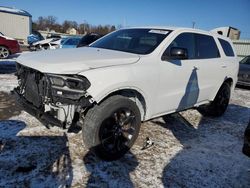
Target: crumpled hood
[75,60]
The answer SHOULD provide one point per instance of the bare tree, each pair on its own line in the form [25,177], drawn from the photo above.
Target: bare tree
[50,22]
[69,24]
[43,23]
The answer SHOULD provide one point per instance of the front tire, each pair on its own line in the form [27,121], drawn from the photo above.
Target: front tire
[111,128]
[4,52]
[219,105]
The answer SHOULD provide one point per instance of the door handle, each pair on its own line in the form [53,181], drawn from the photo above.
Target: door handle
[223,66]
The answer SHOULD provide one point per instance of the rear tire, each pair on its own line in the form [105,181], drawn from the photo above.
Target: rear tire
[219,105]
[4,52]
[111,128]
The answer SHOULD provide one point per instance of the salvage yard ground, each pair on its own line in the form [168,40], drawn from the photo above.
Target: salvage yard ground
[189,150]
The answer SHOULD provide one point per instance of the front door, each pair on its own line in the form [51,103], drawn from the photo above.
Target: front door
[179,83]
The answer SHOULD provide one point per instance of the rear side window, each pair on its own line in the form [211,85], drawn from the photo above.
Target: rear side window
[206,47]
[227,48]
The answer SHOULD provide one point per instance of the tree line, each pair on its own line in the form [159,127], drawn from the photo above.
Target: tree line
[51,23]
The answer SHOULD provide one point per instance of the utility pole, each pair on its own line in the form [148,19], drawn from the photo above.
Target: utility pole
[124,22]
[193,24]
[84,26]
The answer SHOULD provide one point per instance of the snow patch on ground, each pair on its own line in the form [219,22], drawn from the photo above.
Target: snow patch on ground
[7,82]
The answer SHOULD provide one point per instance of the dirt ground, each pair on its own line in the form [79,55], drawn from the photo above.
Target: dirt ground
[189,151]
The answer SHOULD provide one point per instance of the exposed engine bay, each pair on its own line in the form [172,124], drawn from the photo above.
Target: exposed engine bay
[54,99]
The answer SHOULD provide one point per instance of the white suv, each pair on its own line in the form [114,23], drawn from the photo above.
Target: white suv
[129,76]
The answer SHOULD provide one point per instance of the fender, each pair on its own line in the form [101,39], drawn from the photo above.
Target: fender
[103,83]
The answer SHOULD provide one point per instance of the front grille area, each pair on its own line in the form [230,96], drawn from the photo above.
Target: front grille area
[32,85]
[51,104]
[31,92]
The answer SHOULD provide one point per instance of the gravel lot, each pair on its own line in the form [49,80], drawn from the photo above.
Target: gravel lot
[189,150]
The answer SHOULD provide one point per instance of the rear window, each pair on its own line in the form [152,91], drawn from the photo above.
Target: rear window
[227,48]
[206,47]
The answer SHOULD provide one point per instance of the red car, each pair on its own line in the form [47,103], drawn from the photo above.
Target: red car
[8,46]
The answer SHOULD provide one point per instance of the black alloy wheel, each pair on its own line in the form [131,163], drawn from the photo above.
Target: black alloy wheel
[111,127]
[117,131]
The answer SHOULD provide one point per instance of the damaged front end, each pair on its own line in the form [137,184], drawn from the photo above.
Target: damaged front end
[53,99]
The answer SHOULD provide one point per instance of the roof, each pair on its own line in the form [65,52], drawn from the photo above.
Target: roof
[14,11]
[181,29]
[153,27]
[171,28]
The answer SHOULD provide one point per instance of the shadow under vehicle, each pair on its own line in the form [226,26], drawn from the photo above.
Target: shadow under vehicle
[32,160]
[246,146]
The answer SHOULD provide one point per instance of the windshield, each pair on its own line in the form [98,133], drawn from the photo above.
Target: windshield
[1,34]
[246,60]
[138,41]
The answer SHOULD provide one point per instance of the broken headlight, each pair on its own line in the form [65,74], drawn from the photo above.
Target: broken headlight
[57,81]
[75,82]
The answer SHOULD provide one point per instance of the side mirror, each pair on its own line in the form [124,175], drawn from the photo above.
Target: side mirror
[176,54]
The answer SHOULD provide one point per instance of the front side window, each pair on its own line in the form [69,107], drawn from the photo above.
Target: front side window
[227,48]
[184,40]
[206,47]
[138,41]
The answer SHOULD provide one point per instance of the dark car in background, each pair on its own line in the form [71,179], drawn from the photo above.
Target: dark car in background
[246,147]
[244,72]
[8,46]
[88,39]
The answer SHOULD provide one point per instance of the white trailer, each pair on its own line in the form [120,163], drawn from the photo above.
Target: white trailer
[15,23]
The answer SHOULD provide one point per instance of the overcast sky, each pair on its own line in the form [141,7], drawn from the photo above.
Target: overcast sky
[207,14]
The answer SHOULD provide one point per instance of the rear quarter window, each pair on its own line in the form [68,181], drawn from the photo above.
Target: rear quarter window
[227,48]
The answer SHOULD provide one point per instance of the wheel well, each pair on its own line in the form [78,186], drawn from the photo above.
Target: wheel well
[5,46]
[133,95]
[229,81]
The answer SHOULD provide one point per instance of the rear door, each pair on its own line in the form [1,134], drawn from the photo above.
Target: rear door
[210,67]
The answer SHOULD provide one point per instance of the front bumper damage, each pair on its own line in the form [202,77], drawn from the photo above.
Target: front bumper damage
[46,118]
[42,96]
